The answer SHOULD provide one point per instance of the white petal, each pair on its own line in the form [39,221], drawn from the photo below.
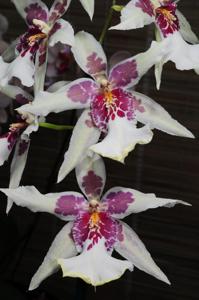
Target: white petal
[122,138]
[120,206]
[20,67]
[133,17]
[65,34]
[57,85]
[185,29]
[16,93]
[197,71]
[91,176]
[89,54]
[62,247]
[132,248]
[88,5]
[94,266]
[128,72]
[184,56]
[5,147]
[17,167]
[160,64]
[58,9]
[75,95]
[84,135]
[64,205]
[40,66]
[155,116]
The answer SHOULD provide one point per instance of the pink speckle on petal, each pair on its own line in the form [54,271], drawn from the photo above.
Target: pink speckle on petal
[92,184]
[59,9]
[55,28]
[146,6]
[35,11]
[69,205]
[137,104]
[11,137]
[167,19]
[106,228]
[102,111]
[118,202]
[82,92]
[124,73]
[95,64]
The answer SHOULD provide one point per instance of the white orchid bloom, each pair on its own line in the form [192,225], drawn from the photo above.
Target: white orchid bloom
[45,27]
[95,229]
[172,29]
[112,107]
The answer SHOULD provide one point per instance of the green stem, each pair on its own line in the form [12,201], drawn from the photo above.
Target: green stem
[107,22]
[56,127]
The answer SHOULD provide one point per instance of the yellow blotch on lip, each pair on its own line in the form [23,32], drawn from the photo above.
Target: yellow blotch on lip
[34,38]
[94,219]
[109,97]
[168,15]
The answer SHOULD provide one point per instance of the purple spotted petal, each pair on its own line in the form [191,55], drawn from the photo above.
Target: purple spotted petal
[82,92]
[92,227]
[146,6]
[43,52]
[118,202]
[95,64]
[124,73]
[69,205]
[7,142]
[35,11]
[92,184]
[58,9]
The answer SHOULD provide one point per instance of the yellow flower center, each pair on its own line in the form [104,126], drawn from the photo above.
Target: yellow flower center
[36,37]
[109,98]
[167,14]
[94,219]
[15,126]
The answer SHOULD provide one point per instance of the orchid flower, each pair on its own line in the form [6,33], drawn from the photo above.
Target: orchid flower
[59,60]
[44,28]
[172,27]
[18,136]
[95,229]
[111,107]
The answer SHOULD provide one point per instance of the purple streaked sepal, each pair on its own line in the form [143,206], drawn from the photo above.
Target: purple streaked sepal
[95,64]
[69,205]
[124,73]
[118,201]
[82,92]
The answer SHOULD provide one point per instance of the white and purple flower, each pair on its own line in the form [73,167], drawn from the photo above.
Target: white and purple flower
[172,27]
[18,136]
[112,108]
[95,229]
[45,28]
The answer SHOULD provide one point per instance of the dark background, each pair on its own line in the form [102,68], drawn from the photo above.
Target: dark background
[168,166]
